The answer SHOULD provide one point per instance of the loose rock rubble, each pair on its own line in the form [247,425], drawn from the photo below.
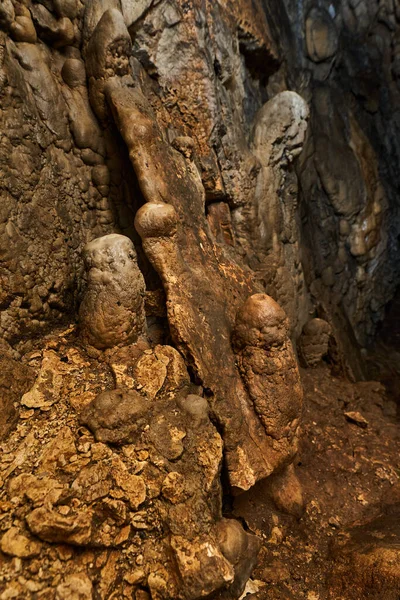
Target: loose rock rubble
[118,490]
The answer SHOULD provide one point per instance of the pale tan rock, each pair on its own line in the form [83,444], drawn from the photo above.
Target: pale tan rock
[49,382]
[151,372]
[58,451]
[132,486]
[50,526]
[75,587]
[40,490]
[93,482]
[354,416]
[14,543]
[202,566]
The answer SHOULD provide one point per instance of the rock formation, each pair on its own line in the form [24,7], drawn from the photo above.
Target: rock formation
[313,343]
[112,310]
[190,191]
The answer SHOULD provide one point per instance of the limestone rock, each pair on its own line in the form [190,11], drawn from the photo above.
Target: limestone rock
[112,310]
[202,566]
[268,366]
[321,35]
[177,250]
[117,416]
[51,526]
[240,549]
[48,384]
[314,341]
[266,228]
[75,587]
[14,543]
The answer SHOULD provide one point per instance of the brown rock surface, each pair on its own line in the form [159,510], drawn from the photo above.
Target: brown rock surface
[368,555]
[230,171]
[15,379]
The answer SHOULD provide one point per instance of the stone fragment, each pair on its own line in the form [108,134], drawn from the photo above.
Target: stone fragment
[14,543]
[151,373]
[321,35]
[76,586]
[49,382]
[357,418]
[133,486]
[40,490]
[112,310]
[51,526]
[286,492]
[314,341]
[117,416]
[202,566]
[58,451]
[93,482]
[240,549]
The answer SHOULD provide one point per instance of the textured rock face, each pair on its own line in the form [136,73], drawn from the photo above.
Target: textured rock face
[313,344]
[112,309]
[220,177]
[267,364]
[346,60]
[131,501]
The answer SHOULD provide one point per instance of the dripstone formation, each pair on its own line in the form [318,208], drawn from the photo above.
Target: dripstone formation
[112,310]
[191,192]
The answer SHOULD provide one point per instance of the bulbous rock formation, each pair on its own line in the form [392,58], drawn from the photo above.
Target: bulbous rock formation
[313,342]
[112,310]
[269,370]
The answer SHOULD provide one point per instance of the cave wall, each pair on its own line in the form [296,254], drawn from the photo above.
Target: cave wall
[320,234]
[347,58]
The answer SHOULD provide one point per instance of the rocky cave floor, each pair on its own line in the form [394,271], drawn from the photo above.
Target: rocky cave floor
[349,469]
[348,466]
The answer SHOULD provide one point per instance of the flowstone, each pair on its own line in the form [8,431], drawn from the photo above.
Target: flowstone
[201,311]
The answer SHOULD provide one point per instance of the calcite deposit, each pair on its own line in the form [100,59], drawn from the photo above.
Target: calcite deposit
[196,196]
[112,310]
